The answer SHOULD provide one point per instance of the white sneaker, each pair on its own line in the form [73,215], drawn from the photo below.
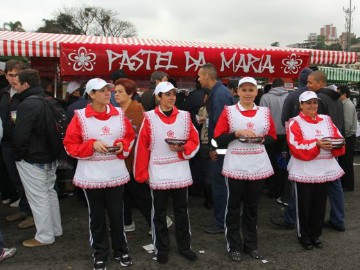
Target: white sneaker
[130,228]
[15,204]
[7,253]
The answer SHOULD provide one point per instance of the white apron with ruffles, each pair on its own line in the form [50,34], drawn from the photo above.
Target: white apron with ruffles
[324,167]
[166,169]
[247,161]
[101,170]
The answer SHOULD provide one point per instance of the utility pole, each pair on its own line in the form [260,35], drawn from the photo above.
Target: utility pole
[348,24]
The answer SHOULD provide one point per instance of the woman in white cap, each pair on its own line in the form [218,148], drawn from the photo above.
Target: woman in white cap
[101,137]
[244,128]
[165,166]
[311,165]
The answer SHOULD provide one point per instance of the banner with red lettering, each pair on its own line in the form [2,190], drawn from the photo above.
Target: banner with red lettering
[141,60]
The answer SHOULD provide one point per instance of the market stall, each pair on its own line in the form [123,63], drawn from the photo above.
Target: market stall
[77,56]
[343,75]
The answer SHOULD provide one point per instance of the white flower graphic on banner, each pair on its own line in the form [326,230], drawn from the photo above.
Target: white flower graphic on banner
[83,60]
[292,64]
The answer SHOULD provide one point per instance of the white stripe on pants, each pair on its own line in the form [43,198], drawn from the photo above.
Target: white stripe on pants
[39,188]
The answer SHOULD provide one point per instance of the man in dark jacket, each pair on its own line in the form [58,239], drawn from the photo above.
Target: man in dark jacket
[8,104]
[218,98]
[148,98]
[291,108]
[34,160]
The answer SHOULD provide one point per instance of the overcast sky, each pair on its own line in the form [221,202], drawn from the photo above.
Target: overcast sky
[249,22]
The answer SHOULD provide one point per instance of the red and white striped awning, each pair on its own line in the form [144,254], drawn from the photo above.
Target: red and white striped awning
[30,44]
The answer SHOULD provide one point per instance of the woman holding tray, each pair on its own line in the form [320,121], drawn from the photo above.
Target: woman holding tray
[101,137]
[313,141]
[167,140]
[245,128]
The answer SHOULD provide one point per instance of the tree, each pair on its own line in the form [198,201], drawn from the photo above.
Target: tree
[90,20]
[334,47]
[320,42]
[275,44]
[62,25]
[13,26]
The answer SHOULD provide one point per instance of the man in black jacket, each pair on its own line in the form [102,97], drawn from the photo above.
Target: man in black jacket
[148,98]
[34,160]
[8,104]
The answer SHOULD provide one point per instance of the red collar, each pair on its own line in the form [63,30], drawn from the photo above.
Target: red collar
[311,120]
[110,111]
[168,120]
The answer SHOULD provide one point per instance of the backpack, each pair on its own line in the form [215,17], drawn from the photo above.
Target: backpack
[56,124]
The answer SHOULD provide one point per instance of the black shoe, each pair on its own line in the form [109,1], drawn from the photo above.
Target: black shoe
[213,229]
[162,258]
[255,254]
[316,243]
[189,254]
[235,256]
[279,221]
[99,265]
[328,224]
[306,245]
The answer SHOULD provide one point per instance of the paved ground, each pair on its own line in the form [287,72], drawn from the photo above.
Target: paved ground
[282,251]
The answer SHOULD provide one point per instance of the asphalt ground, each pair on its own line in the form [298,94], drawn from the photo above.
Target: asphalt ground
[281,249]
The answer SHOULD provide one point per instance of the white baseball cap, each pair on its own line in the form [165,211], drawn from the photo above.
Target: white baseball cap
[332,87]
[247,80]
[72,86]
[307,95]
[164,87]
[96,84]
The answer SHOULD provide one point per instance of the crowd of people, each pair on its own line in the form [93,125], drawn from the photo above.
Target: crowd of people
[131,151]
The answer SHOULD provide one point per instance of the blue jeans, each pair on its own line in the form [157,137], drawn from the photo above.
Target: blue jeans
[219,190]
[336,197]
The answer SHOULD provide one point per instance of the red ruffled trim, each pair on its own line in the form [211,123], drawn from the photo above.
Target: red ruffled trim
[247,176]
[315,179]
[171,185]
[98,185]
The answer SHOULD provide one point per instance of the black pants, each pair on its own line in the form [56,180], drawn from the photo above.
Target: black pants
[311,203]
[346,162]
[7,188]
[138,195]
[247,194]
[161,238]
[100,201]
[24,206]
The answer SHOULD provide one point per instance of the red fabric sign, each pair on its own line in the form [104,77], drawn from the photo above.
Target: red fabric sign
[140,60]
